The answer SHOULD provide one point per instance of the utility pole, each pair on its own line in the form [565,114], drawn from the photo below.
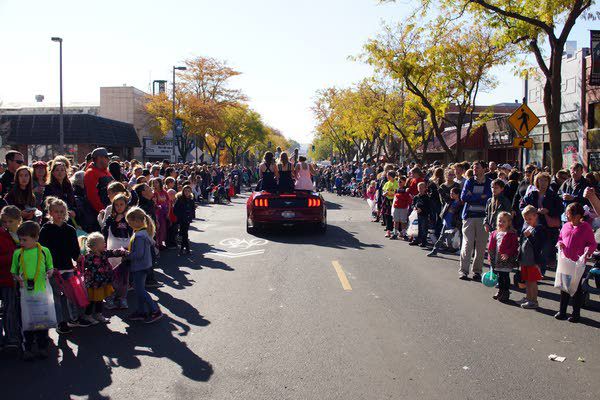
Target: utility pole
[61,132]
[173,123]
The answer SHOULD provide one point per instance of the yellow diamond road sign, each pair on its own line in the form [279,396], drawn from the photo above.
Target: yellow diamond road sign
[523,120]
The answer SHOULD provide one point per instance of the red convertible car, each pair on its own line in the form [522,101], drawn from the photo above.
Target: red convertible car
[302,207]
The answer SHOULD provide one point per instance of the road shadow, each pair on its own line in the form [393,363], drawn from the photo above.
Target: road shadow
[199,258]
[333,206]
[91,355]
[335,237]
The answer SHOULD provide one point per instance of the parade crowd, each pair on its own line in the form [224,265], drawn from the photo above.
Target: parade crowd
[74,239]
[523,220]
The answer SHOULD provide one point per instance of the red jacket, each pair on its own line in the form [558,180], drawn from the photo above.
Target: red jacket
[7,248]
[93,175]
[402,200]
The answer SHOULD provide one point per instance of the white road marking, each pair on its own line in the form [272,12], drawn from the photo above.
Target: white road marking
[235,243]
[227,254]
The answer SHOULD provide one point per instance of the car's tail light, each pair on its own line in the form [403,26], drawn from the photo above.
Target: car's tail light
[261,202]
[314,202]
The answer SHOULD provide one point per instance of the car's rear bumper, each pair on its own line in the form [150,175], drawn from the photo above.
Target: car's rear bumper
[282,216]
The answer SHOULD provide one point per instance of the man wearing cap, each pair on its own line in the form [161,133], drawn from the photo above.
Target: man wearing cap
[97,178]
[14,160]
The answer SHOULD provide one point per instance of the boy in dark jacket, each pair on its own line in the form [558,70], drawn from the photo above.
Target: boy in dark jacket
[185,211]
[451,220]
[531,244]
[422,203]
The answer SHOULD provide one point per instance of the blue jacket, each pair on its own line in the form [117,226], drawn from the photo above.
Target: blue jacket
[475,196]
[141,251]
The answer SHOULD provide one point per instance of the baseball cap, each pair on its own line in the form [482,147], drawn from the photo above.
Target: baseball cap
[100,152]
[507,166]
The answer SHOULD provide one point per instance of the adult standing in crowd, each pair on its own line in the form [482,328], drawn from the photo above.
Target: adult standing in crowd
[14,160]
[21,193]
[475,194]
[59,185]
[40,177]
[97,178]
[573,188]
[550,208]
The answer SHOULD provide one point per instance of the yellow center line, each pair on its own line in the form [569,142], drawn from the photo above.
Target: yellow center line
[341,275]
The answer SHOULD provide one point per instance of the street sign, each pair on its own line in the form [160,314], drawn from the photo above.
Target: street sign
[525,143]
[523,120]
[178,127]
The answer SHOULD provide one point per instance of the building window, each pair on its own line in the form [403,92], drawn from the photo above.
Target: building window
[594,116]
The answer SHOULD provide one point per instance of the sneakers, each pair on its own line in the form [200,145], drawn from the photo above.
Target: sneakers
[432,253]
[560,316]
[523,300]
[414,243]
[463,277]
[394,236]
[63,328]
[504,296]
[388,234]
[123,304]
[153,317]
[530,305]
[101,318]
[89,319]
[497,295]
[477,277]
[152,283]
[137,316]
[79,323]
[574,319]
[110,304]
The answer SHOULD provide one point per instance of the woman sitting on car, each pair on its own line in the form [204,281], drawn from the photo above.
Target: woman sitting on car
[268,173]
[304,172]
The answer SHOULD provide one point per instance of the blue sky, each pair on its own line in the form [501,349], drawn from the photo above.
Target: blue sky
[287,50]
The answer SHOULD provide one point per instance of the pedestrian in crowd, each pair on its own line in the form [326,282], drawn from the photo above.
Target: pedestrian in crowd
[117,234]
[576,238]
[495,205]
[163,207]
[21,193]
[140,258]
[531,245]
[371,199]
[389,190]
[572,189]
[475,194]
[61,239]
[185,210]
[40,177]
[14,160]
[59,185]
[550,209]
[400,207]
[503,252]
[97,178]
[10,219]
[32,267]
[424,207]
[98,276]
[451,220]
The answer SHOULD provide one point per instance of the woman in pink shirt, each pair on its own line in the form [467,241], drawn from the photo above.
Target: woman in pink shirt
[576,238]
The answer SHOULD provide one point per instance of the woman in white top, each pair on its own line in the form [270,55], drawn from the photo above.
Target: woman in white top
[304,172]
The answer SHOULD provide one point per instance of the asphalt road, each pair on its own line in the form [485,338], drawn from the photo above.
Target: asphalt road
[292,314]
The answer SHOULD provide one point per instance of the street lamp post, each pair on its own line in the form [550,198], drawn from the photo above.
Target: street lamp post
[61,135]
[173,123]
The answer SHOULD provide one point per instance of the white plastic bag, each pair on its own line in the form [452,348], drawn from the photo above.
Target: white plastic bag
[37,309]
[115,243]
[455,238]
[372,205]
[413,224]
[569,273]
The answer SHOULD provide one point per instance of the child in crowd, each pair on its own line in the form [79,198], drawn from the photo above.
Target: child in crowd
[31,267]
[163,206]
[496,204]
[503,251]
[450,220]
[61,239]
[389,191]
[146,203]
[117,234]
[422,203]
[185,211]
[114,188]
[531,244]
[98,275]
[371,198]
[339,183]
[402,201]
[576,238]
[171,188]
[140,256]
[10,218]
